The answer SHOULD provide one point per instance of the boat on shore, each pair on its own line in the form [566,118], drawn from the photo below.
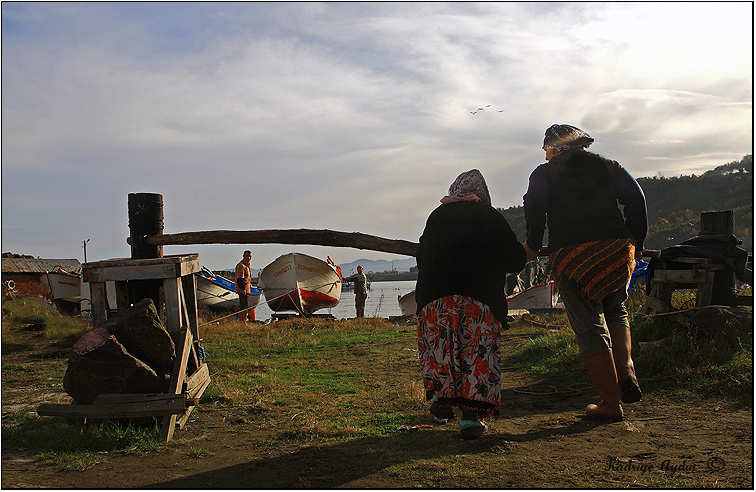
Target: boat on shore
[217,292]
[63,285]
[542,297]
[301,283]
[408,304]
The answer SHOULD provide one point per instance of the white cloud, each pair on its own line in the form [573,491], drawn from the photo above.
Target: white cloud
[342,116]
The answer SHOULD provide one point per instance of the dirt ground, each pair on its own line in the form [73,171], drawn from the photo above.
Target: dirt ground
[541,440]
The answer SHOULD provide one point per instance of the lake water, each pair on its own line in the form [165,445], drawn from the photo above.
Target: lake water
[382,302]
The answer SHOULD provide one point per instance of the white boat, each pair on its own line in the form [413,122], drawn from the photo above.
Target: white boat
[216,292]
[408,304]
[297,282]
[538,297]
[63,285]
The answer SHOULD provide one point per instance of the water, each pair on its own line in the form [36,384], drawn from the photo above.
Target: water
[382,302]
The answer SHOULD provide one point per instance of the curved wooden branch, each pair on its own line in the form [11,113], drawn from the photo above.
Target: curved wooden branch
[319,237]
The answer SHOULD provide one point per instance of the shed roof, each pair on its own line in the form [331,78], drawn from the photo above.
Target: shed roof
[38,265]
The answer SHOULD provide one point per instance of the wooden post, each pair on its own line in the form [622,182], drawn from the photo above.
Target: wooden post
[723,290]
[145,219]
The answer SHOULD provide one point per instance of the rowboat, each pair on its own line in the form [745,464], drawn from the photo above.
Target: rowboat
[297,282]
[216,292]
[539,297]
[408,304]
[63,285]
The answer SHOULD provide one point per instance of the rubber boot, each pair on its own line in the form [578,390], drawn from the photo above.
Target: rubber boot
[604,376]
[621,349]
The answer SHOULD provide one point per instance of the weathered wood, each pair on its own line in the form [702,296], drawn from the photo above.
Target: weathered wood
[723,290]
[145,219]
[125,269]
[119,410]
[320,237]
[722,222]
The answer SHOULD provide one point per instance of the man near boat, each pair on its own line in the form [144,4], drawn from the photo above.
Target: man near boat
[360,290]
[244,287]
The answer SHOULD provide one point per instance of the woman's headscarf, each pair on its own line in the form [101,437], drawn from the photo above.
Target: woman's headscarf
[564,137]
[469,186]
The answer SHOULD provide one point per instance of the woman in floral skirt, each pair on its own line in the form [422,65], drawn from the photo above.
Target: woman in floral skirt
[463,258]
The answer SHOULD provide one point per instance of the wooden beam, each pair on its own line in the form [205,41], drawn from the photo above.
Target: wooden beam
[120,410]
[320,237]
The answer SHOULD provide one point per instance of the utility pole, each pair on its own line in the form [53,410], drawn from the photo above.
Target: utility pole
[85,249]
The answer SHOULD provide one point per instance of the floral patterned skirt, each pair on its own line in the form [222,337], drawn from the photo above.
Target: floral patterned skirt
[459,344]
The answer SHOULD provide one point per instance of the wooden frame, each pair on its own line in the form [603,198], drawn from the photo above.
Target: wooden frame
[190,376]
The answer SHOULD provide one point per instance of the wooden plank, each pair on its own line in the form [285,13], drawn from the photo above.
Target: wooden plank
[134,397]
[656,305]
[680,276]
[705,290]
[196,394]
[99,302]
[172,292]
[156,408]
[197,379]
[139,272]
[177,379]
[321,237]
[122,295]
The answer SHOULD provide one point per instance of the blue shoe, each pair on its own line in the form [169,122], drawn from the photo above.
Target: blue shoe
[472,429]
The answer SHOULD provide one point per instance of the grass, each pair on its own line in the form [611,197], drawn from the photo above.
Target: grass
[339,381]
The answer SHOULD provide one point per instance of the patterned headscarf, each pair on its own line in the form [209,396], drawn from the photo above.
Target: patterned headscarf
[563,137]
[469,186]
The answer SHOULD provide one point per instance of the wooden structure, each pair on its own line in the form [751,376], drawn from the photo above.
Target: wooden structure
[714,283]
[190,376]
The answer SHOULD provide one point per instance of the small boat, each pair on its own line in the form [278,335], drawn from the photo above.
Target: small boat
[539,297]
[63,285]
[65,289]
[216,292]
[408,304]
[297,282]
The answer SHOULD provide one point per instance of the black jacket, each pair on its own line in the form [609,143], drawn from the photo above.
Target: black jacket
[580,192]
[467,248]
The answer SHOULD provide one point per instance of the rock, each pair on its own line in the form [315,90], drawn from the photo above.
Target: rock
[99,364]
[144,336]
[722,323]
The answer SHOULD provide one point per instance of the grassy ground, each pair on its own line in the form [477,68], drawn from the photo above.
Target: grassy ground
[319,390]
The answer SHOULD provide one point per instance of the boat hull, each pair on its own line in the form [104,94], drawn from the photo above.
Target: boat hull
[63,287]
[539,297]
[408,304]
[301,283]
[216,292]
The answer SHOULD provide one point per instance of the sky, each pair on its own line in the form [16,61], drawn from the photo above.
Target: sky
[353,117]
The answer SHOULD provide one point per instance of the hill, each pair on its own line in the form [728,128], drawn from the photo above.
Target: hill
[675,204]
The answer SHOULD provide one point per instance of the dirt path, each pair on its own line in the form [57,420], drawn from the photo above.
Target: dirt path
[541,441]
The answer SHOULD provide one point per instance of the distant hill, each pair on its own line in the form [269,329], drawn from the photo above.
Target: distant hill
[378,266]
[675,204]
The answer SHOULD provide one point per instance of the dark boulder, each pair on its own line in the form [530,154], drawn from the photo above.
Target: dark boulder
[99,364]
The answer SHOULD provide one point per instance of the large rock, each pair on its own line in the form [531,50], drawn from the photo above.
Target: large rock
[99,364]
[723,324]
[140,330]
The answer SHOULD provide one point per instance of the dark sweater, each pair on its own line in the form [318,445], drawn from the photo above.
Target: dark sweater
[467,248]
[579,192]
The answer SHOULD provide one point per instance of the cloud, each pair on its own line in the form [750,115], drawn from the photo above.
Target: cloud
[343,116]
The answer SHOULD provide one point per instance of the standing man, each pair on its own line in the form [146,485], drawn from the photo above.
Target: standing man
[593,245]
[360,290]
[243,284]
